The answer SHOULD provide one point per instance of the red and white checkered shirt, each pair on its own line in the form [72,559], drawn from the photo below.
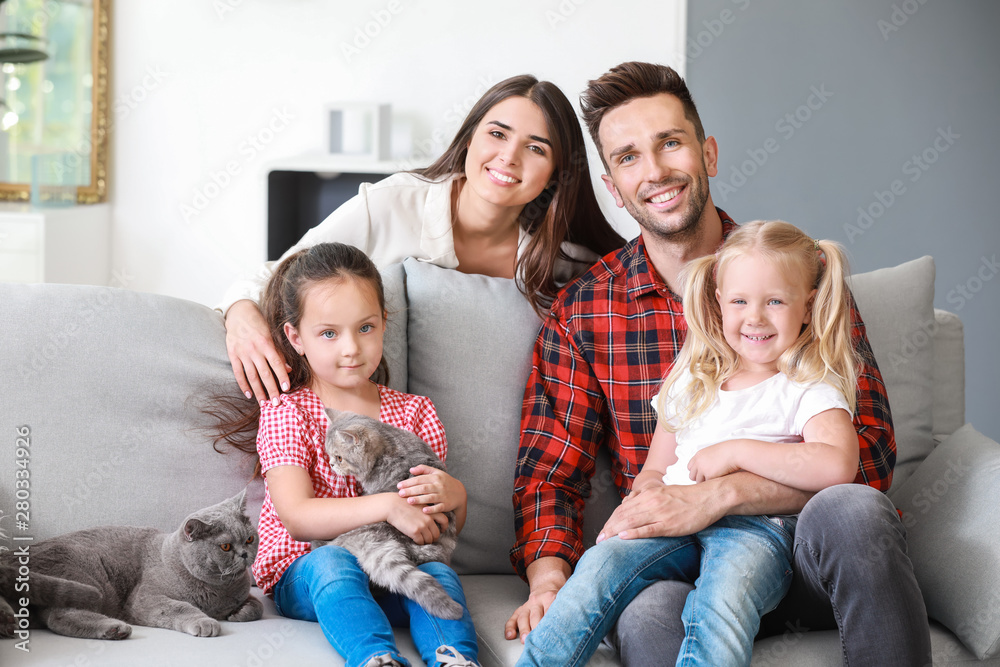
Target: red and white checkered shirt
[292,434]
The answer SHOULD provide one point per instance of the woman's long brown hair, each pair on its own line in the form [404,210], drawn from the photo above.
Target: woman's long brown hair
[566,210]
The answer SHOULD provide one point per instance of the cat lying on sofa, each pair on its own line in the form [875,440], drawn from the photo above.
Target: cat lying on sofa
[92,583]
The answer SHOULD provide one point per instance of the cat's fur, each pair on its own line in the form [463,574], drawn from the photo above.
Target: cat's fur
[379,456]
[108,577]
[41,589]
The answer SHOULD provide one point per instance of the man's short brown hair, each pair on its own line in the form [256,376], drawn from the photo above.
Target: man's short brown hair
[629,81]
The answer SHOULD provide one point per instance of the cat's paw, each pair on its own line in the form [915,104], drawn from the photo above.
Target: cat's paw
[203,627]
[251,610]
[115,630]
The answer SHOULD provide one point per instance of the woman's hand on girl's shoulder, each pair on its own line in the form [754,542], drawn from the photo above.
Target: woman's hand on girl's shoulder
[258,367]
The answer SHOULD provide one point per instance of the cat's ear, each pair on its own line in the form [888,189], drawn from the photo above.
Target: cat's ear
[240,500]
[195,529]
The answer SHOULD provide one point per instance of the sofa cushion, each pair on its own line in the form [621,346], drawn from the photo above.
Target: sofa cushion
[948,413]
[896,305]
[110,384]
[949,510]
[394,343]
[455,322]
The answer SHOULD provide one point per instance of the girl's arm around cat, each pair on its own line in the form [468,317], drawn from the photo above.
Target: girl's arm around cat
[308,518]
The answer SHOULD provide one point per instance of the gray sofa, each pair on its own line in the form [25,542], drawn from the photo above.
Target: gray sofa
[109,383]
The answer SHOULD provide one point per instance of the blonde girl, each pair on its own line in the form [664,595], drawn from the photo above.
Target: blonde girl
[325,307]
[765,383]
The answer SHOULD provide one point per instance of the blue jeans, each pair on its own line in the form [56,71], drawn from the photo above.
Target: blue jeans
[851,573]
[745,570]
[327,585]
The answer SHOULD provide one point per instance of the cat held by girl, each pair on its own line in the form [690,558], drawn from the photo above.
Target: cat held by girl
[380,456]
[98,581]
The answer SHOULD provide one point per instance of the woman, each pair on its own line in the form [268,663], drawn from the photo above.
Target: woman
[511,197]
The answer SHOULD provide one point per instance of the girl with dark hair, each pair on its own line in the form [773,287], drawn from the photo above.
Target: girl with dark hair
[510,197]
[325,307]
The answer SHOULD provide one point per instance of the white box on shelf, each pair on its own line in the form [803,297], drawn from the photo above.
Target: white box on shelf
[360,129]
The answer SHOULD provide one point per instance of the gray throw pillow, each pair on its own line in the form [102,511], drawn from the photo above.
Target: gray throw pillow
[896,305]
[470,339]
[949,510]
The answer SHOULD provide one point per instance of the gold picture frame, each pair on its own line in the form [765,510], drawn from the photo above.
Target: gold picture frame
[97,190]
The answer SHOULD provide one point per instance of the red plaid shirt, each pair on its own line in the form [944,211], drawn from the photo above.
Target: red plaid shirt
[612,336]
[292,433]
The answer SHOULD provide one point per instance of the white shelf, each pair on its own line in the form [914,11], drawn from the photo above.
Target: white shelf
[55,245]
[330,165]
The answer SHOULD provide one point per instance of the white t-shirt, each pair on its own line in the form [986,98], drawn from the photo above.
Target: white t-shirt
[774,410]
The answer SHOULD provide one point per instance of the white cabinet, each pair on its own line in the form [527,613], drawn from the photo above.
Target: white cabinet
[55,245]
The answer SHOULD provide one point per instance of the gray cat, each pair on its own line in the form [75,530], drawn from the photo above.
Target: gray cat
[43,590]
[187,580]
[380,456]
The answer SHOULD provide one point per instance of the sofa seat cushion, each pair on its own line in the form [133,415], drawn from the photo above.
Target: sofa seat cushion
[949,510]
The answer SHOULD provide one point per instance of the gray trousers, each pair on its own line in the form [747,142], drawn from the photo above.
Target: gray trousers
[851,572]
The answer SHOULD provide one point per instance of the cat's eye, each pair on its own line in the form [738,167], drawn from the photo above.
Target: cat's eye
[338,458]
[226,547]
[250,540]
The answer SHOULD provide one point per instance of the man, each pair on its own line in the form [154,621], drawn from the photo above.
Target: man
[612,336]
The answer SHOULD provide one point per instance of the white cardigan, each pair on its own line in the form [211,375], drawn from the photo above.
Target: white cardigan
[398,217]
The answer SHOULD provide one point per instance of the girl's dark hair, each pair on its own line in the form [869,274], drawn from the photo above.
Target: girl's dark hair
[566,210]
[235,419]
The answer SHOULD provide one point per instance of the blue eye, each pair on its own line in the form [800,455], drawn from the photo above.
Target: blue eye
[329,334]
[671,143]
[776,302]
[365,328]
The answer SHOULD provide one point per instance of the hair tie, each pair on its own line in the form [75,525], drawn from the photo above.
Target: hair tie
[819,253]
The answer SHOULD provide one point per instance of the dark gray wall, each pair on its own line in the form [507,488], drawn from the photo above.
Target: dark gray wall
[887,105]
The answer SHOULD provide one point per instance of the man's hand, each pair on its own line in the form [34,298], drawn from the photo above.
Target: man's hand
[665,510]
[545,577]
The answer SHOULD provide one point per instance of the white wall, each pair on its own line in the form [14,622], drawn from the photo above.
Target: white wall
[206,93]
